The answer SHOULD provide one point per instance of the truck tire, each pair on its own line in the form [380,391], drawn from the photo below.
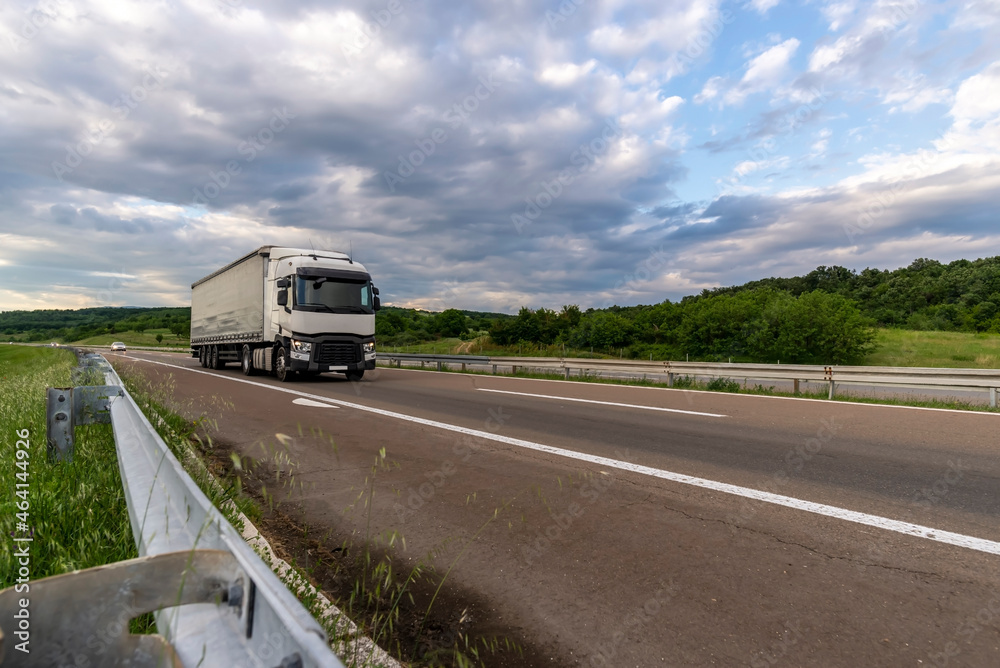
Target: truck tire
[355,376]
[203,356]
[213,358]
[246,361]
[281,370]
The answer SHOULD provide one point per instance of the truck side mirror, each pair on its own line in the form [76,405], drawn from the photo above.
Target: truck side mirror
[283,283]
[283,297]
[378,303]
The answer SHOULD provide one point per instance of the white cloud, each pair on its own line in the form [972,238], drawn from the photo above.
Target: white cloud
[838,12]
[566,74]
[762,6]
[672,29]
[763,72]
[978,98]
[710,90]
[910,93]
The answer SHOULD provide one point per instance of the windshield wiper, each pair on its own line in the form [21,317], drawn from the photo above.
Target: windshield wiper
[341,309]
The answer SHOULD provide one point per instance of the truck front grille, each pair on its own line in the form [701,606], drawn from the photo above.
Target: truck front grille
[339,353]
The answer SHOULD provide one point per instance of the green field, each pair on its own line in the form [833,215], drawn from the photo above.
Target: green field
[76,510]
[147,338]
[899,347]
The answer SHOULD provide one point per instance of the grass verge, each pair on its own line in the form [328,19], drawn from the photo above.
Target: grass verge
[75,512]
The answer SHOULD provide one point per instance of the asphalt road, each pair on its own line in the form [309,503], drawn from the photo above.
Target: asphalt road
[639,526]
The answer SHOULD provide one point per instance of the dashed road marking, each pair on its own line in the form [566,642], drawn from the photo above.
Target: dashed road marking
[302,401]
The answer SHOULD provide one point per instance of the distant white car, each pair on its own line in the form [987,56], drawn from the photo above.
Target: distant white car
[54,344]
[118,346]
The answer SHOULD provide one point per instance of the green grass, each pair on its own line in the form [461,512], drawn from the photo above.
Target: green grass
[147,338]
[899,347]
[76,509]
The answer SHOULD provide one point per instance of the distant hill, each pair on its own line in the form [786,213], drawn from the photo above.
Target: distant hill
[73,325]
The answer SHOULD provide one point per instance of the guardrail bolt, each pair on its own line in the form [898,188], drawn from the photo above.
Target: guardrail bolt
[235,595]
[59,424]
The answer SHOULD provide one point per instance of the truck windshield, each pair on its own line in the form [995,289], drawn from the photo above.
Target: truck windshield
[320,293]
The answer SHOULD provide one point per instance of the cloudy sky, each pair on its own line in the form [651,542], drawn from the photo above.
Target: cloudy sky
[489,154]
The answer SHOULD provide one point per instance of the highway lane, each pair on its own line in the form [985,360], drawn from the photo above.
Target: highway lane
[931,467]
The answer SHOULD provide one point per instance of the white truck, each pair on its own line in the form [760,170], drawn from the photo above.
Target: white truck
[288,312]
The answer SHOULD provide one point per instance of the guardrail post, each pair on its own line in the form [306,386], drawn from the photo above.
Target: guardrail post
[513,370]
[993,397]
[439,365]
[59,419]
[566,374]
[795,386]
[832,386]
[67,407]
[494,369]
[670,379]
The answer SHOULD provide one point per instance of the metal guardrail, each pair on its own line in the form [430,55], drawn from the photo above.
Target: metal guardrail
[217,603]
[903,377]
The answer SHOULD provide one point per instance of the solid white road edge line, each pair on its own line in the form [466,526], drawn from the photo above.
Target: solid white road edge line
[604,403]
[906,528]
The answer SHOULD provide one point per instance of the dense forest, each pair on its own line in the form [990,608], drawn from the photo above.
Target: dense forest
[74,325]
[927,295]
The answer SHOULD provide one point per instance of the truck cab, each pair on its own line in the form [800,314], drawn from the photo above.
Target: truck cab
[322,312]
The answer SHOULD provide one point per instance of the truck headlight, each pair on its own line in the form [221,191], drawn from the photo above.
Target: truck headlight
[301,346]
[368,347]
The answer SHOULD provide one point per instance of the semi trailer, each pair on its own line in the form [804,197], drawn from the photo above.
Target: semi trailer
[290,312]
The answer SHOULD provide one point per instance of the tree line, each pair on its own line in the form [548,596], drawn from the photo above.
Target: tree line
[762,325]
[74,325]
[963,295]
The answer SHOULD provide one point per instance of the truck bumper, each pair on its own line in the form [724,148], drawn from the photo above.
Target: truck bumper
[313,367]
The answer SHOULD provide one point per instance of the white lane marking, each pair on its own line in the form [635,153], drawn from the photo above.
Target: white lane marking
[309,402]
[906,528]
[604,403]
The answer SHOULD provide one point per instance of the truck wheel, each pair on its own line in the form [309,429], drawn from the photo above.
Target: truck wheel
[355,376]
[203,356]
[213,357]
[281,370]
[246,361]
